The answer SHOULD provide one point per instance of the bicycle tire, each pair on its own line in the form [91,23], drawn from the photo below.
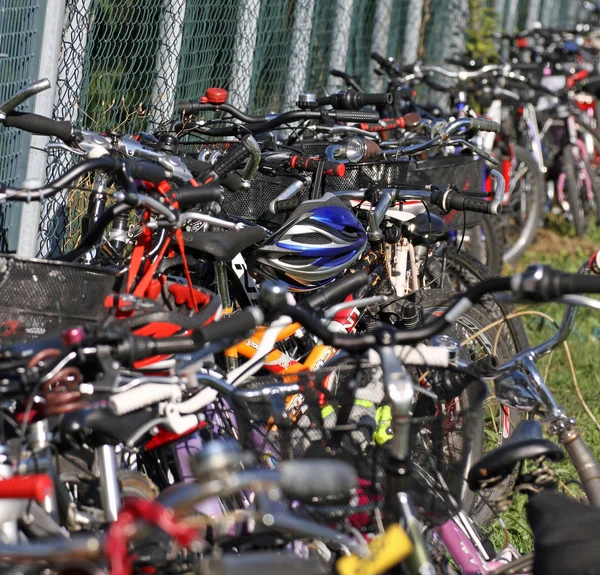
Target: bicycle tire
[576,206]
[535,199]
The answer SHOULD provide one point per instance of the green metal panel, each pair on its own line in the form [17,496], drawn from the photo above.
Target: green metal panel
[363,19]
[321,42]
[21,22]
[207,49]
[271,55]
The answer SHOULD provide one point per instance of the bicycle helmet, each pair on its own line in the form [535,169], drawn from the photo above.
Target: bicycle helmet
[318,242]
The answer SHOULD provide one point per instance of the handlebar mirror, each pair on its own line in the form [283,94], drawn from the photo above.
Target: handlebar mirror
[24,94]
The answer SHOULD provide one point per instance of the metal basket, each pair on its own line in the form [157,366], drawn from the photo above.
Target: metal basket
[350,425]
[41,297]
[369,175]
[465,171]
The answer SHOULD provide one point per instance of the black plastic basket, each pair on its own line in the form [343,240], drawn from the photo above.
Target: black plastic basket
[41,297]
[442,434]
[370,175]
[464,171]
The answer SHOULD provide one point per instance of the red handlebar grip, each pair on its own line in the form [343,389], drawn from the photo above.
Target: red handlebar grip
[384,125]
[310,165]
[36,487]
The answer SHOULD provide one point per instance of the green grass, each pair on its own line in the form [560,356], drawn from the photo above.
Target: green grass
[558,246]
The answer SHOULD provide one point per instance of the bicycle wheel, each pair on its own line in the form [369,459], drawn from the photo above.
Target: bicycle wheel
[485,242]
[497,422]
[576,190]
[523,213]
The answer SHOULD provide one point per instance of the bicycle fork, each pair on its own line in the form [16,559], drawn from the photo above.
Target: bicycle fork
[400,391]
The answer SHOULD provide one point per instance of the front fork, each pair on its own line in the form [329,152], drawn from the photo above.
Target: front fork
[400,392]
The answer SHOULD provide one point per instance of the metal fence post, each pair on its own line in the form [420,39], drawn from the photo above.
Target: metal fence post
[300,52]
[412,34]
[533,12]
[341,42]
[512,9]
[72,59]
[243,53]
[379,41]
[170,34]
[44,103]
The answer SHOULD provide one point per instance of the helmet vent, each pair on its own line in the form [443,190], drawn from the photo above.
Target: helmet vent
[314,239]
[298,260]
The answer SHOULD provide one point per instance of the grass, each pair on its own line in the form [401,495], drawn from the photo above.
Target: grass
[557,245]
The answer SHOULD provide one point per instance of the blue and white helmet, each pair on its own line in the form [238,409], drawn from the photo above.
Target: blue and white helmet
[319,241]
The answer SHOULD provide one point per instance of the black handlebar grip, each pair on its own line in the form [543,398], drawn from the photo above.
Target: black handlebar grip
[227,163]
[312,164]
[350,100]
[484,125]
[309,478]
[543,283]
[188,107]
[286,206]
[148,171]
[237,325]
[453,200]
[138,348]
[40,125]
[355,117]
[191,195]
[337,291]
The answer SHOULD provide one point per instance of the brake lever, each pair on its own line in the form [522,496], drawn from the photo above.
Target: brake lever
[485,155]
[64,147]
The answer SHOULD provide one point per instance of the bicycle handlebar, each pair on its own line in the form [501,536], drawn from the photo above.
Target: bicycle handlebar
[36,124]
[349,100]
[537,283]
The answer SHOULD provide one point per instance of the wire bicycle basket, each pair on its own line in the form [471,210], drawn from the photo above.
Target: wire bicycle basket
[40,297]
[348,419]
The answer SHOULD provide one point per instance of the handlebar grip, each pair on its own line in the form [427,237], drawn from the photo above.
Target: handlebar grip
[453,200]
[37,487]
[384,62]
[484,125]
[189,107]
[148,171]
[231,327]
[337,291]
[350,100]
[143,396]
[543,283]
[355,117]
[40,125]
[308,478]
[227,163]
[191,195]
[302,164]
[384,124]
[286,206]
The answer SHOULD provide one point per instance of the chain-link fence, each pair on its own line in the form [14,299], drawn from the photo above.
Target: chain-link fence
[124,63]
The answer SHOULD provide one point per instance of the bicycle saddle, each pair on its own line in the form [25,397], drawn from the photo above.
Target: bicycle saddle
[222,246]
[566,535]
[526,442]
